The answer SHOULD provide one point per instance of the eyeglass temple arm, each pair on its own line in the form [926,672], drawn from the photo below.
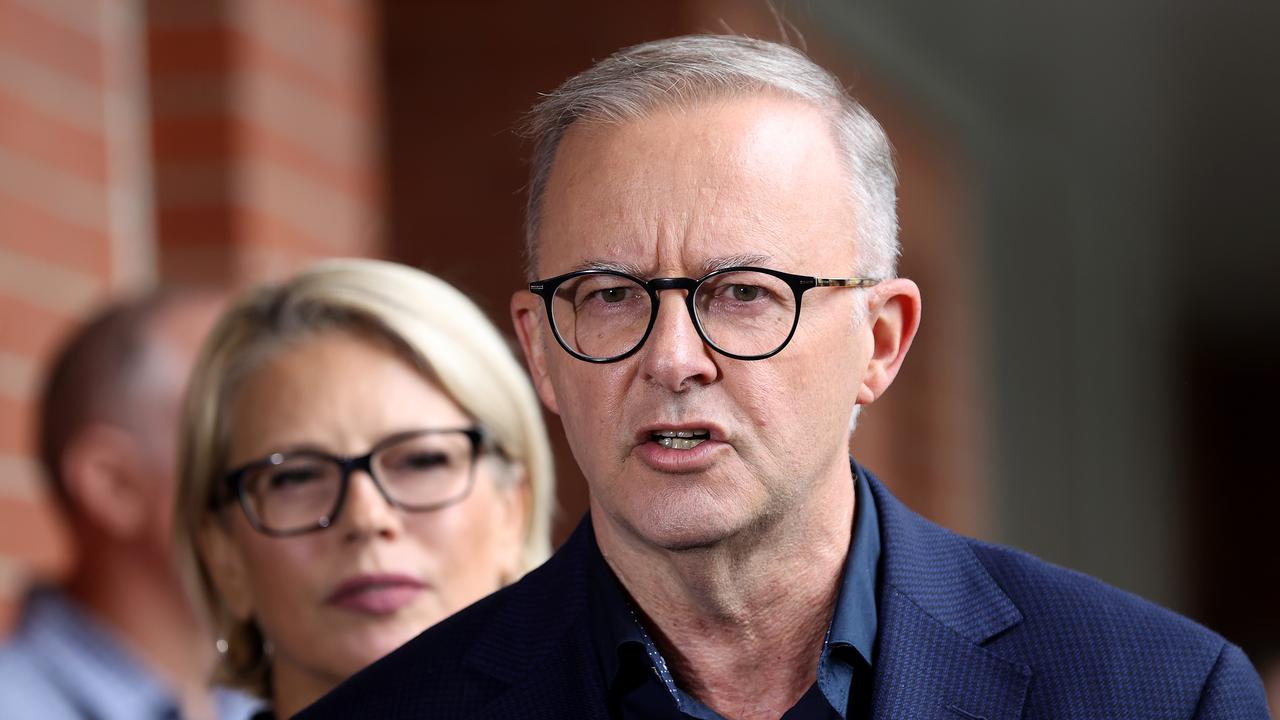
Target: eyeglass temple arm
[857,282]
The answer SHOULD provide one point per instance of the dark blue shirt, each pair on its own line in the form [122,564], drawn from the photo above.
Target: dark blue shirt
[640,685]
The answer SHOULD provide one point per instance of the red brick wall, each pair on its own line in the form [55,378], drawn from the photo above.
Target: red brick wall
[71,212]
[222,141]
[265,134]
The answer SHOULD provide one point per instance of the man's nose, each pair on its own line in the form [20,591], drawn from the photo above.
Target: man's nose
[675,356]
[366,511]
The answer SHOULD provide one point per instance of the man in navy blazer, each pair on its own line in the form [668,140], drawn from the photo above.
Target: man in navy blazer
[685,197]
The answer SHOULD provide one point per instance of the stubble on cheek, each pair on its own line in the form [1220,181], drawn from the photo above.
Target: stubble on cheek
[755,404]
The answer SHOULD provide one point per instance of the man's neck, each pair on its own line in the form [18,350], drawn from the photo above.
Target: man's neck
[742,624]
[147,612]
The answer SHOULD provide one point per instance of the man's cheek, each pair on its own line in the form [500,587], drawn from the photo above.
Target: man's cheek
[761,401]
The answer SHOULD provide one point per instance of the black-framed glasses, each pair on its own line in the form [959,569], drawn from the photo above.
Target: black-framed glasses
[746,313]
[292,493]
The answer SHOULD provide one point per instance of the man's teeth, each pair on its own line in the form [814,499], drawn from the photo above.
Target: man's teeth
[680,439]
[675,443]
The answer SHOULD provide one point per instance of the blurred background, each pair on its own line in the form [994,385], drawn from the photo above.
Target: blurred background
[1087,199]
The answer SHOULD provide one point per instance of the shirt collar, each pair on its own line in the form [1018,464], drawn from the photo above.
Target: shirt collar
[624,647]
[626,651]
[615,626]
[851,637]
[855,620]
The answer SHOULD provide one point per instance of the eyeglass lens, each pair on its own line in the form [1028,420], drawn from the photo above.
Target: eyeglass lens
[741,312]
[302,490]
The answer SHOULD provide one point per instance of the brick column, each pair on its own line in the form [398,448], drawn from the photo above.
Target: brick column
[74,225]
[265,119]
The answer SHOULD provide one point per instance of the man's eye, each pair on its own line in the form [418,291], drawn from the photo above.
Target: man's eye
[604,296]
[746,293]
[612,295]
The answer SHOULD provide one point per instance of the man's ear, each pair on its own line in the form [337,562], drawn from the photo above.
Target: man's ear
[892,319]
[103,474]
[527,316]
[226,566]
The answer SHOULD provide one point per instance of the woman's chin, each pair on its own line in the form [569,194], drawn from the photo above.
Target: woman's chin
[363,648]
[356,640]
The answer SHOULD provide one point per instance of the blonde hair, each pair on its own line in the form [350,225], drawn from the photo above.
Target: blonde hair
[427,321]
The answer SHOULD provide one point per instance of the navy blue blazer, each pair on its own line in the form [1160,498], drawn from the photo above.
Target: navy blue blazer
[966,630]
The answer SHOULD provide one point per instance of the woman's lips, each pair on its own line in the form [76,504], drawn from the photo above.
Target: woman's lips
[376,593]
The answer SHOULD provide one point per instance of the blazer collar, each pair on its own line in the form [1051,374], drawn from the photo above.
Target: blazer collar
[544,623]
[938,606]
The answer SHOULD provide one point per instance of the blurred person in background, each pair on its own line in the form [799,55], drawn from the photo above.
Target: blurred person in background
[362,456]
[118,639]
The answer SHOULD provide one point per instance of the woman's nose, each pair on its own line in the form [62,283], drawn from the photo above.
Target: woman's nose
[367,511]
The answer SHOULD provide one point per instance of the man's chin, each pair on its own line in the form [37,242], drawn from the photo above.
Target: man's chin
[677,513]
[691,527]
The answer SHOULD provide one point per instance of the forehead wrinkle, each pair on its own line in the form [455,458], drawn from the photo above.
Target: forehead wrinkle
[707,266]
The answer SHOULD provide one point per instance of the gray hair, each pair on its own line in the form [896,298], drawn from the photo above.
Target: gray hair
[685,70]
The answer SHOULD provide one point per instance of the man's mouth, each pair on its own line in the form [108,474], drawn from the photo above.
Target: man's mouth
[680,439]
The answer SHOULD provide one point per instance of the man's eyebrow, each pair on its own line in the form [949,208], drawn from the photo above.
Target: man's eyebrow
[711,265]
[610,265]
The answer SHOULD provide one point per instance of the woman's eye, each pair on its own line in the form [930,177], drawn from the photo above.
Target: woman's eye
[292,478]
[423,461]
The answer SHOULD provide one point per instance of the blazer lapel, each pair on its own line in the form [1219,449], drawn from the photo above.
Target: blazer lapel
[937,607]
[544,628]
[923,669]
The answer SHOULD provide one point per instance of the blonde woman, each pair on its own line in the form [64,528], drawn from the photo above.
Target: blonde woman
[362,456]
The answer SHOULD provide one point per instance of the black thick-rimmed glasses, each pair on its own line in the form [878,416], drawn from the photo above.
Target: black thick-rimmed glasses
[746,313]
[292,493]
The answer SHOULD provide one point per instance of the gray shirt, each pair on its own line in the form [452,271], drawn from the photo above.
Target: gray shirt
[61,663]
